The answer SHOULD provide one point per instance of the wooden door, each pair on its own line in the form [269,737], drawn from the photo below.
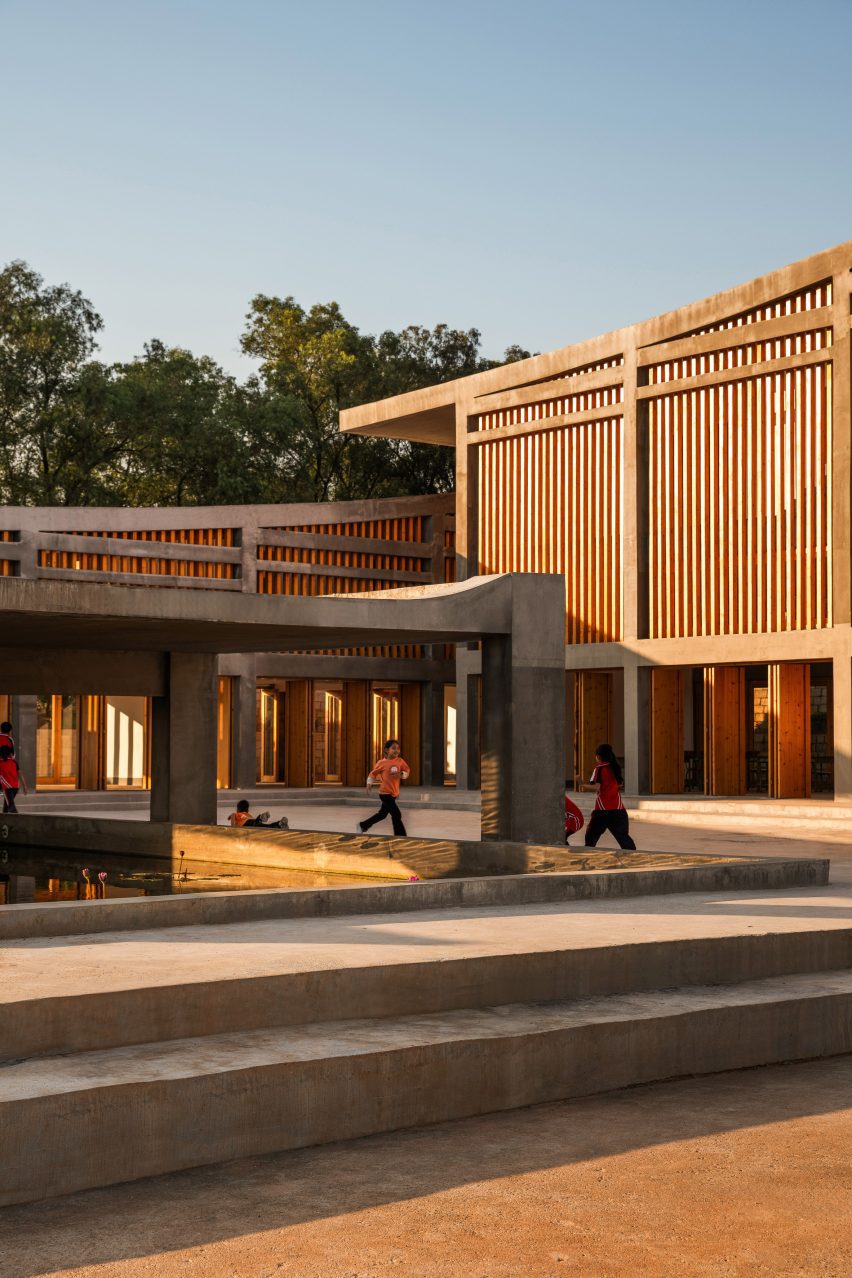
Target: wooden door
[356,764]
[790,730]
[724,730]
[224,731]
[666,731]
[299,697]
[593,711]
[92,743]
[410,729]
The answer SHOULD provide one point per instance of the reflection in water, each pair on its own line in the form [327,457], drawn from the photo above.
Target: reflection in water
[46,874]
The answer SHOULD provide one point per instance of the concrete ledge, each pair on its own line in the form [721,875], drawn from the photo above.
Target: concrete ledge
[98,1019]
[88,917]
[74,1122]
[358,856]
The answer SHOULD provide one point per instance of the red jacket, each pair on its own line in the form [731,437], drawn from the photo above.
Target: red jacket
[574,819]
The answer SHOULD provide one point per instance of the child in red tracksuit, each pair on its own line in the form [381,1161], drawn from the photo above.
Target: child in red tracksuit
[609,813]
[573,816]
[11,779]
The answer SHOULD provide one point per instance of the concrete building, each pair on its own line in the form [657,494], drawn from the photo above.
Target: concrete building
[690,477]
[298,719]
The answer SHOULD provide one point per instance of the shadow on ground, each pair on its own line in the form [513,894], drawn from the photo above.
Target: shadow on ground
[247,1200]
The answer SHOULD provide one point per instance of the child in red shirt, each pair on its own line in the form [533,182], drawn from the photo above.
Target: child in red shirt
[388,772]
[11,779]
[609,813]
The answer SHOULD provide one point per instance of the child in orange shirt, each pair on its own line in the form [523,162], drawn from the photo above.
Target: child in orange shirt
[388,772]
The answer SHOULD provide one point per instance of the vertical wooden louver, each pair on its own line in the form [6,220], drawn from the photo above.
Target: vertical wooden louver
[740,505]
[550,501]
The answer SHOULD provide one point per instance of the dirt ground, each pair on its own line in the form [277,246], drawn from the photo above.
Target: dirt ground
[740,1174]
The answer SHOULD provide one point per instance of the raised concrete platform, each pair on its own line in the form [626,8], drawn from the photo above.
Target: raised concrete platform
[625,875]
[364,856]
[195,1044]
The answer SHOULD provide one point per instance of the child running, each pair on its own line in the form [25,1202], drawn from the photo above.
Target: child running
[11,779]
[609,813]
[388,772]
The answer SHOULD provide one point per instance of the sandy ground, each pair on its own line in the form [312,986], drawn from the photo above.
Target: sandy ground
[741,1174]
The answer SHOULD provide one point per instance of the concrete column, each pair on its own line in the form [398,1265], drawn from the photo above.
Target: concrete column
[467,726]
[841,450]
[467,496]
[248,555]
[635,509]
[160,752]
[523,716]
[24,720]
[432,732]
[637,779]
[842,698]
[244,735]
[183,742]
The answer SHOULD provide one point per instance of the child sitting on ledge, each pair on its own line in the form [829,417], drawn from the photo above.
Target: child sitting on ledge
[243,817]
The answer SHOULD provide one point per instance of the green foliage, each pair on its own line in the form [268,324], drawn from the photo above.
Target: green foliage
[172,428]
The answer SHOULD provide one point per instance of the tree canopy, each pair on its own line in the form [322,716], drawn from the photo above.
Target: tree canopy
[173,428]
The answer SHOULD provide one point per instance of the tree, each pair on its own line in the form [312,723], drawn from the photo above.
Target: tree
[320,364]
[53,447]
[176,408]
[172,428]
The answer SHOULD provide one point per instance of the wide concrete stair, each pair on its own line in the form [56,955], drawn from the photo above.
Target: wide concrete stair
[102,1086]
[819,820]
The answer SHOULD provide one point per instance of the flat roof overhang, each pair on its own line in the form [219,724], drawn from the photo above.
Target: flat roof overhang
[50,615]
[423,416]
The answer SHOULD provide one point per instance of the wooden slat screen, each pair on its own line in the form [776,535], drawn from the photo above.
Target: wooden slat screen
[582,402]
[756,352]
[551,502]
[8,567]
[409,528]
[77,561]
[810,298]
[179,536]
[740,506]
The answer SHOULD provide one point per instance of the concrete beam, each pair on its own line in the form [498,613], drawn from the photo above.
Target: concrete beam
[110,618]
[79,672]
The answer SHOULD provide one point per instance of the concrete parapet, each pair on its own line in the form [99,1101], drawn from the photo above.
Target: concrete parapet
[509,890]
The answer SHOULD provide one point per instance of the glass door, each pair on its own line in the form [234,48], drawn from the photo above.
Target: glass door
[385,717]
[328,734]
[267,752]
[57,741]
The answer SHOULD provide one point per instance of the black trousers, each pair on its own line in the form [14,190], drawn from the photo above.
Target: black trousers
[9,798]
[388,809]
[615,821]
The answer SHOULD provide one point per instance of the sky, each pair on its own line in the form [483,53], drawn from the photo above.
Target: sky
[543,172]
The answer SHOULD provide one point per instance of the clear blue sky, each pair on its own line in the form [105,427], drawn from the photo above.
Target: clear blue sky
[542,171]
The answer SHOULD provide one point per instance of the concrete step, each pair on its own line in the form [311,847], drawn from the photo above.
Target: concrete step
[120,1011]
[89,1119]
[772,811]
[448,797]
